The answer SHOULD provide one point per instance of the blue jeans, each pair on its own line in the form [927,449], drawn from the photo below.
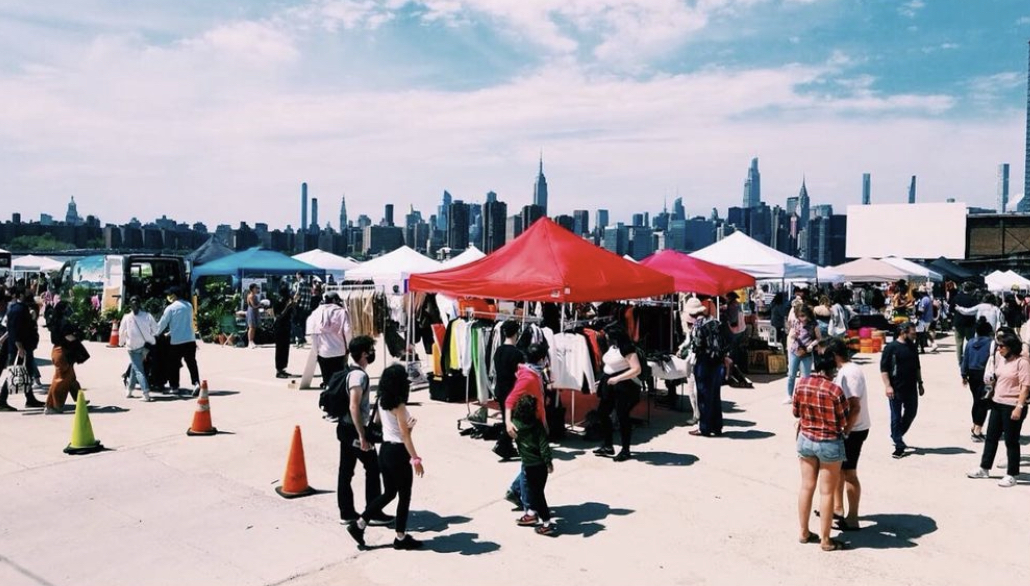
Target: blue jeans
[708,378]
[793,361]
[904,407]
[520,487]
[137,374]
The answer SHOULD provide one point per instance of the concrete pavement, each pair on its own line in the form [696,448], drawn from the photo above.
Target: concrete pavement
[163,508]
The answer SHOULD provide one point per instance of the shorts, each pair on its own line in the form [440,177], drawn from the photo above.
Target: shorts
[853,448]
[923,326]
[827,451]
[253,318]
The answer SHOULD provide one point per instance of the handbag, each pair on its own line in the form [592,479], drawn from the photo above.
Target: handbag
[146,345]
[18,377]
[989,376]
[374,427]
[76,352]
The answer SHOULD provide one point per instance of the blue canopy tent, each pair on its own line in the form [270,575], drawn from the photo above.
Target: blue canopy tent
[254,263]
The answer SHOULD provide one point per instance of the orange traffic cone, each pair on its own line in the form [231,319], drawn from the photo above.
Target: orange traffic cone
[295,481]
[114,341]
[202,416]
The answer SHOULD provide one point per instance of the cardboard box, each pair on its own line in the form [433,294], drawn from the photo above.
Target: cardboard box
[776,364]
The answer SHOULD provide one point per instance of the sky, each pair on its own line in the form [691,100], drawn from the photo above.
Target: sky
[217,111]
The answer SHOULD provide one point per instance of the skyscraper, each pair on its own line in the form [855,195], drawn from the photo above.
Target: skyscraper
[912,190]
[601,220]
[752,186]
[678,211]
[303,206]
[1003,187]
[530,214]
[491,197]
[866,188]
[458,225]
[495,226]
[441,215]
[388,215]
[540,188]
[314,214]
[582,222]
[343,213]
[804,205]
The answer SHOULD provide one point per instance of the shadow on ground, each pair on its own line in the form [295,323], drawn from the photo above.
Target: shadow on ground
[950,451]
[890,531]
[751,434]
[460,543]
[428,521]
[584,519]
[665,458]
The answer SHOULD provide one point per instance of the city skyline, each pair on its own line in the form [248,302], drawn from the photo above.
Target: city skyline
[152,109]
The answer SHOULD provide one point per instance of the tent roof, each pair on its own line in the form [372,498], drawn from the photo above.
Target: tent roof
[1004,281]
[35,263]
[913,268]
[394,265]
[693,275]
[743,253]
[870,270]
[255,262]
[548,263]
[209,251]
[954,271]
[469,256]
[326,260]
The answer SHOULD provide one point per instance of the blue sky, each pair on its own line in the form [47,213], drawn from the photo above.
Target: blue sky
[216,111]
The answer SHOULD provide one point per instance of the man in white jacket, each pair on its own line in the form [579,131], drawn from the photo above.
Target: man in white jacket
[137,331]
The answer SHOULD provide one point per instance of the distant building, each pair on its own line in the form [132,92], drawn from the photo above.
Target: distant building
[1003,187]
[540,188]
[364,221]
[388,214]
[512,228]
[46,220]
[752,186]
[641,243]
[566,221]
[616,238]
[678,211]
[804,205]
[581,222]
[495,219]
[303,206]
[382,239]
[531,214]
[314,215]
[343,213]
[638,220]
[458,226]
[441,213]
[699,234]
[72,217]
[866,188]
[912,190]
[601,220]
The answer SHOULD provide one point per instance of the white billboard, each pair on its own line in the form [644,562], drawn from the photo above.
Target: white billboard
[918,230]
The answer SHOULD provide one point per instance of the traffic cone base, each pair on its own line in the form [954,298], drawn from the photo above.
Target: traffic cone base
[202,416]
[82,441]
[295,480]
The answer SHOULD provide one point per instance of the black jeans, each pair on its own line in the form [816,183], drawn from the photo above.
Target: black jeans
[504,441]
[976,387]
[904,407]
[1002,425]
[300,320]
[708,378]
[330,366]
[350,455]
[397,480]
[282,348]
[536,481]
[183,352]
[621,398]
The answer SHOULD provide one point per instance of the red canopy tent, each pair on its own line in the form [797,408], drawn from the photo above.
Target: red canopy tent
[548,263]
[693,275]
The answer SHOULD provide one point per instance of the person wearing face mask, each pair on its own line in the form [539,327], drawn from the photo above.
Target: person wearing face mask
[136,333]
[178,320]
[350,430]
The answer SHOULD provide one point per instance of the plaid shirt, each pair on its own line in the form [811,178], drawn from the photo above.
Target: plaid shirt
[302,295]
[822,408]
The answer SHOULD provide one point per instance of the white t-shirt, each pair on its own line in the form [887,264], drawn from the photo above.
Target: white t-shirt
[391,428]
[852,381]
[614,361]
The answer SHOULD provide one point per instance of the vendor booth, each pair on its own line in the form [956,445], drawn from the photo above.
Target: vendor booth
[35,264]
[393,268]
[334,265]
[871,270]
[743,253]
[471,255]
[693,275]
[209,251]
[915,269]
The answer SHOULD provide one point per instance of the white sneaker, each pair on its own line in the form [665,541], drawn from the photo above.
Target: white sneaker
[978,473]
[128,393]
[196,390]
[787,401]
[1007,481]
[146,397]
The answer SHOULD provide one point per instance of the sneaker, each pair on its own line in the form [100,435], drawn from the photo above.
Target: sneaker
[380,520]
[356,532]
[548,529]
[604,451]
[128,393]
[977,438]
[787,401]
[6,407]
[978,473]
[513,498]
[526,521]
[408,543]
[622,457]
[49,411]
[899,453]
[504,451]
[281,374]
[348,520]
[1007,481]
[146,397]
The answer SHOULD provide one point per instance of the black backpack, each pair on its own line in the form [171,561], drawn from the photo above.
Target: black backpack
[335,399]
[709,341]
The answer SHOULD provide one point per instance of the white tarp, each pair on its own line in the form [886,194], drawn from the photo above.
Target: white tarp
[870,270]
[333,264]
[393,268]
[35,264]
[913,269]
[1006,281]
[469,256]
[743,253]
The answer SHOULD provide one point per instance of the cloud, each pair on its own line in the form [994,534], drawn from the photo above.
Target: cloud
[990,90]
[941,47]
[1023,20]
[911,8]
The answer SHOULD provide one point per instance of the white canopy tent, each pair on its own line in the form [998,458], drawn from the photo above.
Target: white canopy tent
[469,256]
[914,269]
[743,253]
[393,268]
[1000,281]
[334,265]
[35,264]
[871,270]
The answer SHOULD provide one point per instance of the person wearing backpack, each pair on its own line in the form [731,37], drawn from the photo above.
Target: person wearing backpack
[350,430]
[709,340]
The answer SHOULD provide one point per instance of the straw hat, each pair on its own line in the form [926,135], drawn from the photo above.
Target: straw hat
[694,309]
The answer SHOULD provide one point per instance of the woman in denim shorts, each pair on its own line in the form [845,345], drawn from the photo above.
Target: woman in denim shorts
[822,412]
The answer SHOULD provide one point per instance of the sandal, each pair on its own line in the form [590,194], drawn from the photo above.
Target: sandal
[835,545]
[812,538]
[843,526]
[836,517]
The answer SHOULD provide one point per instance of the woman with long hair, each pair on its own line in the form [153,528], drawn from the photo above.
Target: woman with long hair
[801,341]
[620,391]
[65,338]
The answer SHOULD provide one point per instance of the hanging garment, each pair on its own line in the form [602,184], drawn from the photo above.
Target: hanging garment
[480,359]
[570,362]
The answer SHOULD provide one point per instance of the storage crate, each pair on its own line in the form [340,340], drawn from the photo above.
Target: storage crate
[776,363]
[757,360]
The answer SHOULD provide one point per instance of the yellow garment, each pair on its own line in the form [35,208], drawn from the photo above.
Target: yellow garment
[454,358]
[437,361]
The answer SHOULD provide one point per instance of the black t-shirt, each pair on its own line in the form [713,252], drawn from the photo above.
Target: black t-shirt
[507,359]
[901,363]
[964,300]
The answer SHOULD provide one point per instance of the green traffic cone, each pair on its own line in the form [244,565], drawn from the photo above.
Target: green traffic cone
[83,441]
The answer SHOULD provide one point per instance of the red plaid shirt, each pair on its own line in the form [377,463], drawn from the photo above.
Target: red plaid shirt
[822,408]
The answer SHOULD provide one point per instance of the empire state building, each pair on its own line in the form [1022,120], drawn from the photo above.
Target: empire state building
[540,188]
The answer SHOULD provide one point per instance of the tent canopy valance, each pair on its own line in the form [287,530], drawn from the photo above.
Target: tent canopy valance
[871,270]
[693,275]
[471,255]
[743,253]
[33,264]
[255,263]
[333,264]
[954,271]
[1002,281]
[393,268]
[548,263]
[913,268]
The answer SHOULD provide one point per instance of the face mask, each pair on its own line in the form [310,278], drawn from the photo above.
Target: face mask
[171,299]
[371,358]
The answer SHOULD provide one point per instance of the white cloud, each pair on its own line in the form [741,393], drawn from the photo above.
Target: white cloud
[911,8]
[1023,20]
[941,47]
